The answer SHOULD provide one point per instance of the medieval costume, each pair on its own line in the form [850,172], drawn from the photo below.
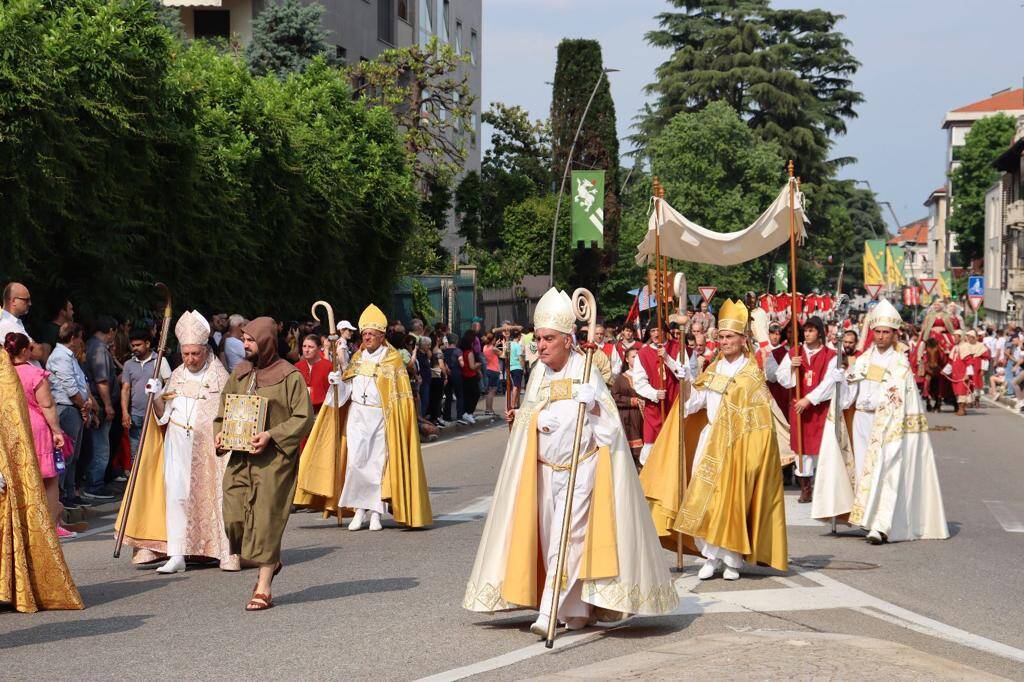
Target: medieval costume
[805,440]
[364,451]
[613,568]
[259,487]
[630,406]
[179,486]
[33,574]
[966,370]
[895,492]
[733,506]
[651,375]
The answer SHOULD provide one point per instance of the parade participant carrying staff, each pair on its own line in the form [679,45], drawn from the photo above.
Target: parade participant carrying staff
[364,451]
[611,568]
[893,487]
[180,478]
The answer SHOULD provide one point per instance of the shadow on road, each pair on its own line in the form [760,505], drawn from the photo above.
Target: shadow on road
[300,555]
[346,589]
[61,632]
[103,593]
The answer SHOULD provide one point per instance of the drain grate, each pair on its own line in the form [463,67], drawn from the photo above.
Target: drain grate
[824,564]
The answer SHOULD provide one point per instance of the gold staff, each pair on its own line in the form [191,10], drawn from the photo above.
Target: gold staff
[586,311]
[684,360]
[659,195]
[332,352]
[129,492]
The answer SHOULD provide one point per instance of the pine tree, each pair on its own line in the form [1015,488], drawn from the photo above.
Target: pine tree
[785,72]
[286,36]
[577,70]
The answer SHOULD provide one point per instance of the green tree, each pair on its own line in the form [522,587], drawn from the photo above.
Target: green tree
[718,173]
[527,236]
[430,99]
[786,72]
[578,69]
[987,139]
[286,36]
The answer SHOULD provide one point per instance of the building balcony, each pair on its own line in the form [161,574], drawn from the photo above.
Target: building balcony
[1015,214]
[1015,280]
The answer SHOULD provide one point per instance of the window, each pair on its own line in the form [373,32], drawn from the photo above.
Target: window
[458,38]
[472,47]
[426,21]
[212,23]
[386,21]
[403,10]
[442,22]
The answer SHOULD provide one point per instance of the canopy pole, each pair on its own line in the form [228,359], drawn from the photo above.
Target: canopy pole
[659,194]
[794,332]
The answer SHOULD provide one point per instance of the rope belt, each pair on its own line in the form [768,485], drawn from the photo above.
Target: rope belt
[861,409]
[180,425]
[356,402]
[566,467]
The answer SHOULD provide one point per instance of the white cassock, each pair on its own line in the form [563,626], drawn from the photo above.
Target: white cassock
[180,418]
[643,388]
[703,399]
[556,425]
[367,445]
[867,394]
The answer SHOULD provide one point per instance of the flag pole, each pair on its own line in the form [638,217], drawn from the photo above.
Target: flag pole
[794,332]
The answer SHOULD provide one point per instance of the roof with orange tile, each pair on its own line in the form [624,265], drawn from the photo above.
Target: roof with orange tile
[914,233]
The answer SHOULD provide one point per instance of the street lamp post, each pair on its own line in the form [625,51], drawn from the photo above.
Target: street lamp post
[565,174]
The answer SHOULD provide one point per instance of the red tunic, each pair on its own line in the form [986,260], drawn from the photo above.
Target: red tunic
[649,360]
[812,420]
[607,348]
[316,379]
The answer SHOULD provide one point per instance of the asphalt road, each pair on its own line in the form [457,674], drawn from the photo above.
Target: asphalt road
[387,605]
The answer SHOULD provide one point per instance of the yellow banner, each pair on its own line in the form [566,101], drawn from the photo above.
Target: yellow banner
[894,266]
[874,261]
[945,284]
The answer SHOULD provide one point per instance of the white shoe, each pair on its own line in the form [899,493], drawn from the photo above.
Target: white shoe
[357,520]
[730,573]
[708,569]
[540,627]
[875,538]
[176,564]
[579,622]
[375,521]
[469,418]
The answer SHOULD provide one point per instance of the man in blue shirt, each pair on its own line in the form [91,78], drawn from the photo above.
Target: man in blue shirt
[75,406]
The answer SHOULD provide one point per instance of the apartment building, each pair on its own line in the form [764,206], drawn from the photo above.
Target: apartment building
[1004,235]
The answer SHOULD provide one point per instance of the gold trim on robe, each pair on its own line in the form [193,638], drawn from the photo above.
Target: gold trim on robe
[323,463]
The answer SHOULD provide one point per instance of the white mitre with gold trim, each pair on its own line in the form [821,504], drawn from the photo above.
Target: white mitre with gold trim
[192,329]
[885,315]
[554,311]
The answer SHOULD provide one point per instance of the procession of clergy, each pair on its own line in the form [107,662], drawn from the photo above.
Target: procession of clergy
[858,437]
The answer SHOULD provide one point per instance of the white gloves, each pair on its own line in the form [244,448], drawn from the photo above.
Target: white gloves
[3,484]
[154,387]
[586,395]
[682,371]
[344,390]
[837,375]
[334,378]
[547,422]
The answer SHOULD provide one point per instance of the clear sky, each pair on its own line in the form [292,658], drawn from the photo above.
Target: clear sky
[920,58]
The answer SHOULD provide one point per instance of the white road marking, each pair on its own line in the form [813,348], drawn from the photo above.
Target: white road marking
[477,509]
[827,594]
[800,514]
[1010,515]
[988,400]
[445,441]
[91,531]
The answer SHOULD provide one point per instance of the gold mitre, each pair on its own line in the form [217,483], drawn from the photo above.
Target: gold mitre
[885,315]
[192,329]
[732,316]
[554,311]
[373,318]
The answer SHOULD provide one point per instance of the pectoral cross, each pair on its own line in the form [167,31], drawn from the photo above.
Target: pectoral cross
[809,378]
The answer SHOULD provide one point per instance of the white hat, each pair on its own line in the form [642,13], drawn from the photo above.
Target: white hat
[885,315]
[345,324]
[554,311]
[192,329]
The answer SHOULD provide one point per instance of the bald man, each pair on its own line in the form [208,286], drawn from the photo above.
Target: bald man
[17,302]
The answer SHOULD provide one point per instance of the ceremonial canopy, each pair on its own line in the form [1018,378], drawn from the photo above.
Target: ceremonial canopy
[685,240]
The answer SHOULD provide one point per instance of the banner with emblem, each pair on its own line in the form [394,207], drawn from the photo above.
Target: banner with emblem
[945,284]
[895,263]
[874,261]
[588,208]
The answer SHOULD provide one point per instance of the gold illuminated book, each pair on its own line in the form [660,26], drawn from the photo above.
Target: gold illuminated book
[244,417]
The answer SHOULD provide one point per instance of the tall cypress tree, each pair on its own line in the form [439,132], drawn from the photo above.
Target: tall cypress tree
[578,68]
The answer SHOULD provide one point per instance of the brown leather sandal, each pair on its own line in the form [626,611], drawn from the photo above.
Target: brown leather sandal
[259,602]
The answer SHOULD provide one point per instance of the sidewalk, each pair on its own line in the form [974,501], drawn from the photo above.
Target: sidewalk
[776,655]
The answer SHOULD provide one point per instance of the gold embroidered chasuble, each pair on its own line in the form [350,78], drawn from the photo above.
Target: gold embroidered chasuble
[33,574]
[734,496]
[324,459]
